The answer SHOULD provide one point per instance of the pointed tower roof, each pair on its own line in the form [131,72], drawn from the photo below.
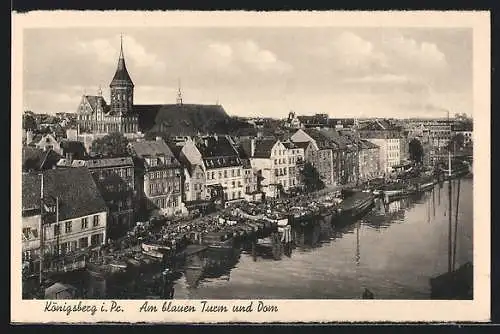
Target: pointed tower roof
[121,78]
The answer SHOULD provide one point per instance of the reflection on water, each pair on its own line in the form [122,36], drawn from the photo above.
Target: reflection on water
[393,251]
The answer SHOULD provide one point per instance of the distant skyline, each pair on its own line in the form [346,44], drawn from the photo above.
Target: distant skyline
[267,72]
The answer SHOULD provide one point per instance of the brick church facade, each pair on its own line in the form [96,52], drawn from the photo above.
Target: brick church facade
[97,117]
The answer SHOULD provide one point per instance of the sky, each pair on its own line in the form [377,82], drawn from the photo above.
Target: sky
[258,71]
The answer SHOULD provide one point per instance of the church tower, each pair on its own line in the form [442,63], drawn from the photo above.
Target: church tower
[122,89]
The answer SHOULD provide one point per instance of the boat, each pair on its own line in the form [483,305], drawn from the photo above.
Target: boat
[355,206]
[118,265]
[154,253]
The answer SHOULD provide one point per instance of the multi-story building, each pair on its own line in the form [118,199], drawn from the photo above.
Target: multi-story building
[295,158]
[115,180]
[368,160]
[345,155]
[158,177]
[223,166]
[465,129]
[275,163]
[195,185]
[388,138]
[66,206]
[251,178]
[321,152]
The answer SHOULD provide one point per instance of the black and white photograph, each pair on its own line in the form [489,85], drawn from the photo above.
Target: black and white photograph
[260,162]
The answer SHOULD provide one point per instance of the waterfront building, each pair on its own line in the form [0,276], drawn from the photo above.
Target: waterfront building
[194,179]
[368,160]
[71,214]
[345,155]
[158,176]
[465,129]
[114,178]
[223,166]
[387,137]
[321,153]
[275,162]
[251,177]
[295,158]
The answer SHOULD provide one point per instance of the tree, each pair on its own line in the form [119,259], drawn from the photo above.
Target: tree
[456,142]
[416,151]
[111,145]
[29,122]
[311,178]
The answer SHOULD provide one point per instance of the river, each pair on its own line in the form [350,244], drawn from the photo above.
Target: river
[393,251]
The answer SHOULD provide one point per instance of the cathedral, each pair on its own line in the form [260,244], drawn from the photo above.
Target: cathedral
[95,116]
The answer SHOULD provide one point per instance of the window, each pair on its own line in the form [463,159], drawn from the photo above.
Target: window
[238,172]
[232,172]
[85,223]
[57,229]
[96,239]
[95,221]
[233,184]
[225,173]
[187,186]
[67,227]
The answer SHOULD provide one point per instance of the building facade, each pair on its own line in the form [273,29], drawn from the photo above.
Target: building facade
[223,166]
[368,160]
[94,115]
[388,138]
[158,176]
[66,206]
[115,180]
[321,153]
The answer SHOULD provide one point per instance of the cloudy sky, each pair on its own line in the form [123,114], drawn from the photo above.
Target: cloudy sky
[369,72]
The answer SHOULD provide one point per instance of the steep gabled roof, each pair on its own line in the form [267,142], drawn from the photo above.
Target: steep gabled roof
[218,152]
[95,100]
[154,148]
[179,119]
[36,159]
[121,77]
[78,194]
[263,148]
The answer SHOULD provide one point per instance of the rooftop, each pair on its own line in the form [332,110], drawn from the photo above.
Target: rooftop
[74,187]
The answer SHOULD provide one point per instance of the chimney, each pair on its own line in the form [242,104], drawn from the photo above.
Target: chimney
[252,147]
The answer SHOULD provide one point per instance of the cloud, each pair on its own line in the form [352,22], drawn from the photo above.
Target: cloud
[107,52]
[414,53]
[349,51]
[237,56]
[380,79]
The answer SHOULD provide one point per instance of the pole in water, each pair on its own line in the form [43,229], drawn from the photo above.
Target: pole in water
[456,226]
[449,226]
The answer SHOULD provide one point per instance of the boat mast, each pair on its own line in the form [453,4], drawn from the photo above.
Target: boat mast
[449,206]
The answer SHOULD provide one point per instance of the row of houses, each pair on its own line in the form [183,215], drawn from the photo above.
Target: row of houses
[85,201]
